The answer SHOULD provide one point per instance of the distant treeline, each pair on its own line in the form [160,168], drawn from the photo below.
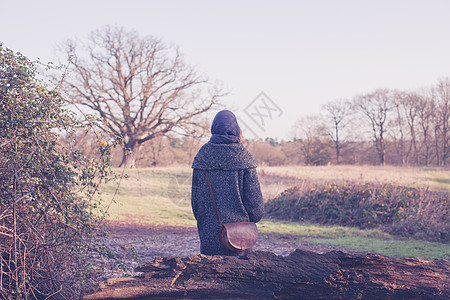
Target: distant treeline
[168,151]
[383,127]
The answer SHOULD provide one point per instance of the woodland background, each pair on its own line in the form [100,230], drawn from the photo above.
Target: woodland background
[385,127]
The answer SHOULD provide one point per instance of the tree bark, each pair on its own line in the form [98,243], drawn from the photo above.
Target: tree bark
[130,153]
[301,275]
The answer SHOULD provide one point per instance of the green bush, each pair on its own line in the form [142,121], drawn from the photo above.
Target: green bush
[399,210]
[48,222]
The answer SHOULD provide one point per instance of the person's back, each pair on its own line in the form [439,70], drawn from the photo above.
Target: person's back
[232,172]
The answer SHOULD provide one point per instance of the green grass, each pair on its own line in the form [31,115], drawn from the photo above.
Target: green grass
[389,247]
[162,197]
[314,230]
[370,240]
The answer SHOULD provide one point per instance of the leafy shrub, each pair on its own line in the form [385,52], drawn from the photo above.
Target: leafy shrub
[47,202]
[395,209]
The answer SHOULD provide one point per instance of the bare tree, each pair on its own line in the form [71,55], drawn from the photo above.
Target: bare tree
[442,126]
[406,107]
[337,112]
[309,131]
[398,129]
[425,111]
[155,146]
[410,108]
[140,88]
[376,107]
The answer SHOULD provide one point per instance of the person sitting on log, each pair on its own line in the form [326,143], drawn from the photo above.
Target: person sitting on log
[234,181]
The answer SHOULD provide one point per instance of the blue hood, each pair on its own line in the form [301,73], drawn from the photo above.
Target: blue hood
[225,129]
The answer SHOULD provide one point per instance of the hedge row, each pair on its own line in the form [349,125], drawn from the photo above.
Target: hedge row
[399,210]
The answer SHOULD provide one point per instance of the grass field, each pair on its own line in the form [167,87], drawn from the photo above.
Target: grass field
[155,196]
[278,179]
[162,196]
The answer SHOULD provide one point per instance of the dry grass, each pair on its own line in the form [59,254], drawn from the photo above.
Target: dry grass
[275,180]
[182,170]
[151,195]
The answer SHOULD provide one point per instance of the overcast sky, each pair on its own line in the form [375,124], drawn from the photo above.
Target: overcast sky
[301,54]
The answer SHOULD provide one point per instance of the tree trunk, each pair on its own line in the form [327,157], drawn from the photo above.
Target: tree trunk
[130,152]
[436,144]
[337,145]
[380,147]
[301,275]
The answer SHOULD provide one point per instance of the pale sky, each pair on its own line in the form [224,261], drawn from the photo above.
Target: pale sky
[301,54]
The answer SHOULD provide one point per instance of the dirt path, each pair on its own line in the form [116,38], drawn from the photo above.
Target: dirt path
[150,241]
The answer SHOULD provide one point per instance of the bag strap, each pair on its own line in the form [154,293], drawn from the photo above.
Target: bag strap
[212,197]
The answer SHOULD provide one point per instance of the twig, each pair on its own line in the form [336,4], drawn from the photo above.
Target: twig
[117,188]
[6,234]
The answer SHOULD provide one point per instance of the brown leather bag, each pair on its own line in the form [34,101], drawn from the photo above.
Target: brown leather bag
[235,237]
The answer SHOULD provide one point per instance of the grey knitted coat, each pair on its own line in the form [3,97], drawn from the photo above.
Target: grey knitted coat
[232,173]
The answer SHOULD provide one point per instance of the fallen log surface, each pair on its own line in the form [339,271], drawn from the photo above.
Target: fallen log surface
[301,275]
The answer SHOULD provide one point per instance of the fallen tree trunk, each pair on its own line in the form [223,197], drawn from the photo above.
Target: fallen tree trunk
[301,275]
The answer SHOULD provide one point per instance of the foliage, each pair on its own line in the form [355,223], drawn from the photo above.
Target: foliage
[399,210]
[47,193]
